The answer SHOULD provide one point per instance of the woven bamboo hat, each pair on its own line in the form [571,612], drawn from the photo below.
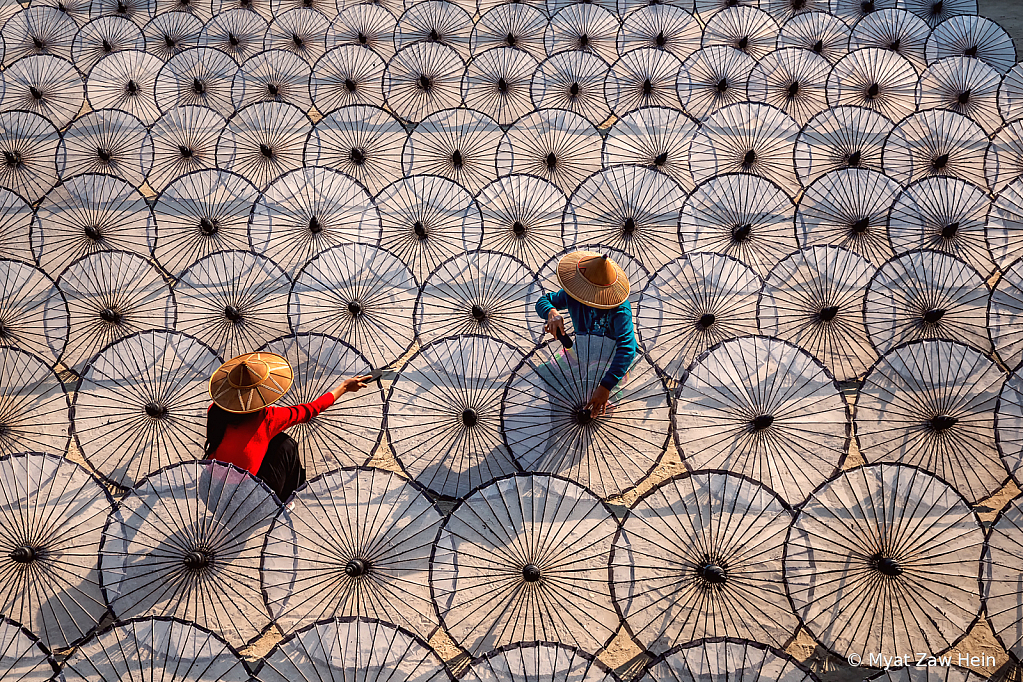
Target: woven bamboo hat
[593,279]
[250,382]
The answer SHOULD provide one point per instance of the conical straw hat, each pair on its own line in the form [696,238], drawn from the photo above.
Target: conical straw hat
[250,382]
[593,279]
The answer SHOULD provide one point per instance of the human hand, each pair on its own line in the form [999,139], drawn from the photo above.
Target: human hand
[555,324]
[351,385]
[598,401]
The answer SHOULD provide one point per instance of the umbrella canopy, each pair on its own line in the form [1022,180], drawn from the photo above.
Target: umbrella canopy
[868,545]
[1010,94]
[766,409]
[106,141]
[139,11]
[820,32]
[975,37]
[89,214]
[76,9]
[104,35]
[45,85]
[522,218]
[935,142]
[199,214]
[547,429]
[141,404]
[112,294]
[199,76]
[932,404]
[896,30]
[510,25]
[1002,555]
[363,295]
[33,406]
[644,77]
[538,662]
[22,656]
[39,30]
[458,144]
[28,143]
[238,33]
[426,220]
[814,299]
[854,11]
[1004,225]
[157,647]
[523,558]
[33,312]
[586,27]
[653,136]
[15,222]
[877,79]
[1004,316]
[347,648]
[357,543]
[497,83]
[347,75]
[436,21]
[935,12]
[841,137]
[693,303]
[126,81]
[794,80]
[744,216]
[346,434]
[572,80]
[557,145]
[302,30]
[185,542]
[308,211]
[258,7]
[944,214]
[422,79]
[51,521]
[785,10]
[366,25]
[662,26]
[964,85]
[444,413]
[169,33]
[184,140]
[362,141]
[271,76]
[1004,160]
[744,28]
[712,78]
[701,556]
[233,301]
[926,295]
[724,660]
[848,208]
[263,141]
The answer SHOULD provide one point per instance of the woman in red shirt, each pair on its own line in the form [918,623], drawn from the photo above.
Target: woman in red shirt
[244,429]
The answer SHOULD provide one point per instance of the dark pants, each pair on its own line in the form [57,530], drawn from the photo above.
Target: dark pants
[282,469]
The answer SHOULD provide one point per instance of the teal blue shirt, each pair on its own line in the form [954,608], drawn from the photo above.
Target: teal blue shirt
[615,323]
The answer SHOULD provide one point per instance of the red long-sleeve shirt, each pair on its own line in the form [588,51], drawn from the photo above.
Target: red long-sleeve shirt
[245,444]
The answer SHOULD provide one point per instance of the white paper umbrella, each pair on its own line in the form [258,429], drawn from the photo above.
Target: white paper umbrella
[1002,555]
[510,25]
[197,77]
[525,558]
[853,11]
[457,144]
[361,141]
[45,85]
[1005,225]
[935,12]
[364,296]
[51,522]
[522,218]
[848,208]
[264,141]
[944,214]
[747,138]
[792,79]
[309,210]
[877,79]
[643,77]
[233,301]
[138,11]
[653,136]
[661,26]
[22,656]
[272,76]
[547,429]
[744,216]
[170,33]
[784,10]
[1004,160]
[16,221]
[584,26]
[39,30]
[327,8]
[712,78]
[106,141]
[28,143]
[436,21]
[1010,94]
[926,295]
[350,648]
[302,31]
[102,36]
[820,32]
[357,543]
[841,137]
[701,556]
[935,142]
[238,33]
[893,29]
[76,9]
[814,299]
[1003,315]
[347,75]
[423,79]
[200,10]
[692,304]
[33,312]
[557,145]
[186,543]
[867,546]
[141,404]
[766,409]
[538,662]
[346,434]
[366,25]
[126,81]
[184,140]
[157,647]
[628,7]
[963,85]
[33,406]
[572,80]
[555,6]
[1008,419]
[744,28]
[259,7]
[426,220]
[87,214]
[497,83]
[972,36]
[444,414]
[724,660]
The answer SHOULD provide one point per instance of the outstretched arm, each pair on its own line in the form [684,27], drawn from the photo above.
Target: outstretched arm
[350,385]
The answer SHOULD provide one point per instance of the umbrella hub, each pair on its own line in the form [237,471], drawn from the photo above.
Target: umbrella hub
[12,159]
[24,554]
[169,41]
[706,321]
[104,154]
[315,226]
[185,152]
[793,89]
[934,315]
[940,423]
[853,160]
[873,91]
[233,39]
[297,40]
[272,89]
[939,162]
[798,4]
[92,232]
[950,230]
[122,7]
[107,47]
[265,150]
[4,334]
[233,314]
[350,85]
[818,47]
[132,88]
[419,229]
[197,559]
[356,568]
[552,162]
[510,40]
[362,39]
[742,233]
[828,313]
[761,422]
[502,86]
[198,87]
[434,36]
[207,227]
[938,7]
[964,97]
[712,573]
[648,87]
[111,315]
[660,40]
[457,160]
[155,410]
[742,43]
[867,6]
[722,85]
[970,51]
[886,565]
[478,313]
[425,83]
[357,156]
[584,41]
[39,44]
[35,92]
[573,90]
[661,159]
[860,226]
[629,226]
[582,416]
[531,573]
[749,158]
[895,45]
[355,308]
[470,417]
[732,3]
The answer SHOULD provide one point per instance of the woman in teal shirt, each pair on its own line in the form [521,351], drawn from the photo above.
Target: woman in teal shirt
[595,291]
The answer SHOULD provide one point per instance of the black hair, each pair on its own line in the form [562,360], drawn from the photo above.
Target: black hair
[217,421]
